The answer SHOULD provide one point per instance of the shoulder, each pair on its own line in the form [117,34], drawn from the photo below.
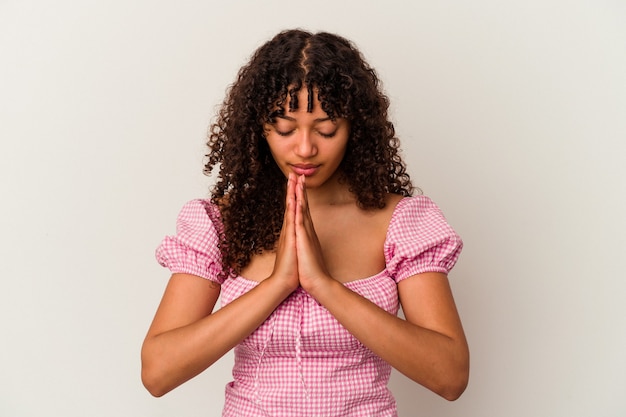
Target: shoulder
[194,249]
[199,208]
[380,218]
[416,210]
[392,200]
[420,239]
[416,202]
[198,214]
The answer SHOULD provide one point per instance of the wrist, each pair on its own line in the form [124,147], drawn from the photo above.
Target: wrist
[281,286]
[322,288]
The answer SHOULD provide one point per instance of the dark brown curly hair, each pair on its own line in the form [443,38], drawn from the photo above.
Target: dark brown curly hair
[250,188]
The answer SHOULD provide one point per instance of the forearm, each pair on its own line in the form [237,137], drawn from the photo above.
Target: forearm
[172,357]
[433,359]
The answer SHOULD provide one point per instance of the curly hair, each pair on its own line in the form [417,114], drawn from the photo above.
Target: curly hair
[250,188]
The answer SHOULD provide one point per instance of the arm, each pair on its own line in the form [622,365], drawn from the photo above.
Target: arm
[185,337]
[429,346]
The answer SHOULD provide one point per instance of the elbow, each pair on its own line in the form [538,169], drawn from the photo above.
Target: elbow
[455,385]
[449,385]
[153,375]
[454,390]
[457,375]
[152,382]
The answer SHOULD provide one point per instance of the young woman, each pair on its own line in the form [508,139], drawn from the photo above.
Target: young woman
[314,241]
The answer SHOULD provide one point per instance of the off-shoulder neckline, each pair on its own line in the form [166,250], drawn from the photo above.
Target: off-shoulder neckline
[354,282]
[397,209]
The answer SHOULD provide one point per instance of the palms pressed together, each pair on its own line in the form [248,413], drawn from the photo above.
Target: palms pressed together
[299,260]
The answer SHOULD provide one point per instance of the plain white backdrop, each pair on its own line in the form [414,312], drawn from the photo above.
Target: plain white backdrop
[512,116]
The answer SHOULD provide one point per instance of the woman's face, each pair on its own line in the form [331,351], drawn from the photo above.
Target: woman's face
[309,144]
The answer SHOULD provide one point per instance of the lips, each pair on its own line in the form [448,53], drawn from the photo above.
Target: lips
[304,169]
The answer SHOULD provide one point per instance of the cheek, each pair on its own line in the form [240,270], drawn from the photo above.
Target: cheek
[278,151]
[275,147]
[341,149]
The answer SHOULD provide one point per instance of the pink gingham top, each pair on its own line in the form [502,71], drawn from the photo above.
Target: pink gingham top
[301,362]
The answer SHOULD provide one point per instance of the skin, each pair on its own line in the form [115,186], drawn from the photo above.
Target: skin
[429,346]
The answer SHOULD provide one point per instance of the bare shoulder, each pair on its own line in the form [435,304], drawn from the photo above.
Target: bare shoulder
[392,200]
[384,215]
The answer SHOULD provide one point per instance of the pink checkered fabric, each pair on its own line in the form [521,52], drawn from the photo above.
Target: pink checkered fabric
[301,362]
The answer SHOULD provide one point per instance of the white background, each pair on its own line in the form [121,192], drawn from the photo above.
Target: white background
[512,116]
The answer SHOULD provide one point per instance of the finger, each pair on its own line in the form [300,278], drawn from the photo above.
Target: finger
[286,263]
[301,210]
[287,231]
[290,209]
[304,212]
[305,197]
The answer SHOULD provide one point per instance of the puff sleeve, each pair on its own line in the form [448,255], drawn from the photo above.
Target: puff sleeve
[419,239]
[194,249]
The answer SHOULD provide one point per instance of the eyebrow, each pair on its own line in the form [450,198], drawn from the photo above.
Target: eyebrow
[291,119]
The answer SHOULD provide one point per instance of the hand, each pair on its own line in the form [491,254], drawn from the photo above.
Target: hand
[286,264]
[312,270]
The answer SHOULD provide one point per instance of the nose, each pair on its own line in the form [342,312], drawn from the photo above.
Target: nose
[305,146]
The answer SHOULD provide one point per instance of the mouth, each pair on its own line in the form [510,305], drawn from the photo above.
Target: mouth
[304,169]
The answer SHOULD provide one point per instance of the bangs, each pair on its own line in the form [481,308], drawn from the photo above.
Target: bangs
[331,109]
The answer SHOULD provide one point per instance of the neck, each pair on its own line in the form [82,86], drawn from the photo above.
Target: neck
[331,193]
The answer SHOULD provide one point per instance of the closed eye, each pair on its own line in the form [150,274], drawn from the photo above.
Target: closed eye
[327,135]
[281,133]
